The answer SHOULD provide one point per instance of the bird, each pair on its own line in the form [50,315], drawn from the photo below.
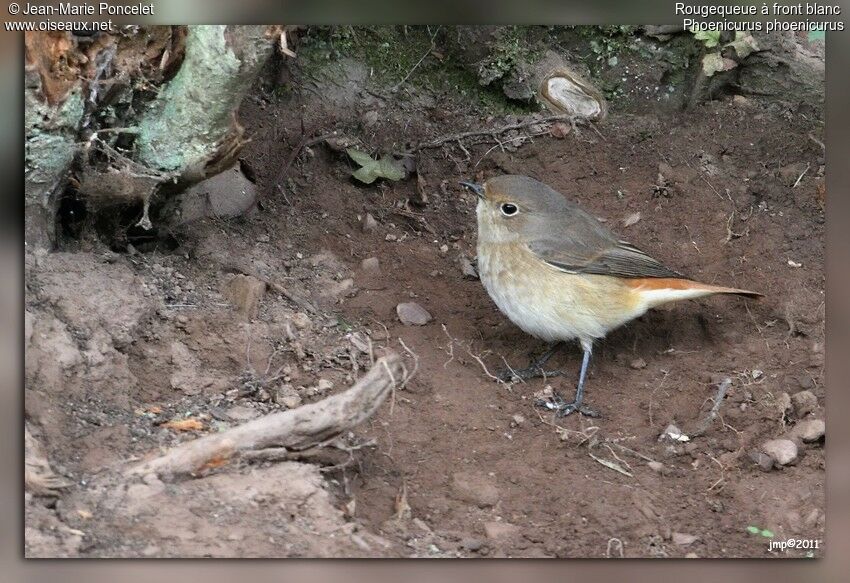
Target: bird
[559,274]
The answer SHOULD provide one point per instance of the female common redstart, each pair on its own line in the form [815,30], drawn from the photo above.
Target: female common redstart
[559,274]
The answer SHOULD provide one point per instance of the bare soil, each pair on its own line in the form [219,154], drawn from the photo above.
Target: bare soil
[457,464]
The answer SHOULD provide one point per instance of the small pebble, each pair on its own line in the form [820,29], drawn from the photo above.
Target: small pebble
[656,466]
[371,264]
[809,430]
[412,314]
[638,364]
[682,539]
[783,451]
[368,224]
[761,459]
[804,403]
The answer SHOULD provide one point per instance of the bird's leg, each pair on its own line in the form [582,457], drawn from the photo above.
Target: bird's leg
[535,369]
[564,408]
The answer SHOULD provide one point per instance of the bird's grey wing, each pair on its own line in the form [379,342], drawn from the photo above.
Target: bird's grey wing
[599,256]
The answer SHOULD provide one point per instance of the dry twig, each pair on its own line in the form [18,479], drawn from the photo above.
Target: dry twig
[296,430]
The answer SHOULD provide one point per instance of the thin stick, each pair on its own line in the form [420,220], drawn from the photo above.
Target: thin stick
[712,414]
[610,465]
[436,143]
[801,175]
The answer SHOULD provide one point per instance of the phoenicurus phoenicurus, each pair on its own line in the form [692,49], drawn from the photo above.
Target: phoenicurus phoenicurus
[558,274]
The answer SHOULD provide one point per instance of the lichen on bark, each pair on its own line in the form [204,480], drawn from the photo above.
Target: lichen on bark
[184,127]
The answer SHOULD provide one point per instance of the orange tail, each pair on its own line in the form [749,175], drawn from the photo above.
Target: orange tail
[671,283]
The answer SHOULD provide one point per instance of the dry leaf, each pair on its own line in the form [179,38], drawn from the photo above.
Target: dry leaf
[184,425]
[214,462]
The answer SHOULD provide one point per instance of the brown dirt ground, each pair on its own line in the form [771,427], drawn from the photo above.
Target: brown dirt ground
[462,465]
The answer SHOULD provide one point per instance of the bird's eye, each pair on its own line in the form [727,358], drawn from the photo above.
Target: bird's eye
[509,209]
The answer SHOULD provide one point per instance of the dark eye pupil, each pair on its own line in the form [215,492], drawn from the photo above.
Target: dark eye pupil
[509,209]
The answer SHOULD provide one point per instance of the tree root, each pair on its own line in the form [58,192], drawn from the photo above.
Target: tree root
[296,430]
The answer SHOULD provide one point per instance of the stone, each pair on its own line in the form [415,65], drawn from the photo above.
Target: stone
[656,466]
[466,268]
[242,413]
[638,364]
[496,530]
[225,195]
[682,539]
[809,430]
[761,459]
[783,451]
[804,403]
[368,224]
[412,314]
[474,488]
[371,265]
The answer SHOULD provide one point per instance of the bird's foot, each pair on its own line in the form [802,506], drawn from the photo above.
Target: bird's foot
[563,408]
[525,374]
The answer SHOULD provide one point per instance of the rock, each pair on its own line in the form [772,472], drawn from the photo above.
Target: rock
[741,101]
[245,292]
[322,386]
[805,382]
[474,488]
[682,539]
[371,265]
[809,430]
[412,314]
[500,530]
[804,403]
[761,459]
[242,413]
[638,364]
[517,420]
[368,224]
[226,195]
[472,544]
[662,32]
[656,466]
[673,434]
[369,118]
[692,555]
[466,268]
[288,397]
[783,451]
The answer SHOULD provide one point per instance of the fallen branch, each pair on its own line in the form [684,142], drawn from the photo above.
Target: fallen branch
[493,132]
[296,430]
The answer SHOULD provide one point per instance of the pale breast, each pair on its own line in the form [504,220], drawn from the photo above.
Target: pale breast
[550,304]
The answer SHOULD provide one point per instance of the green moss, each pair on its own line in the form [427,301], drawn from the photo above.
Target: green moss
[391,52]
[49,146]
[184,125]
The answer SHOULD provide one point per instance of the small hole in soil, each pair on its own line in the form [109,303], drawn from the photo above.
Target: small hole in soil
[117,226]
[72,214]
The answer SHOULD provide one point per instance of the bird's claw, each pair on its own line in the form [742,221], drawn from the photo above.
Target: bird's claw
[562,408]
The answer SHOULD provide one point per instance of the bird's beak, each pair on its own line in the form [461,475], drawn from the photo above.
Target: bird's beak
[476,188]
